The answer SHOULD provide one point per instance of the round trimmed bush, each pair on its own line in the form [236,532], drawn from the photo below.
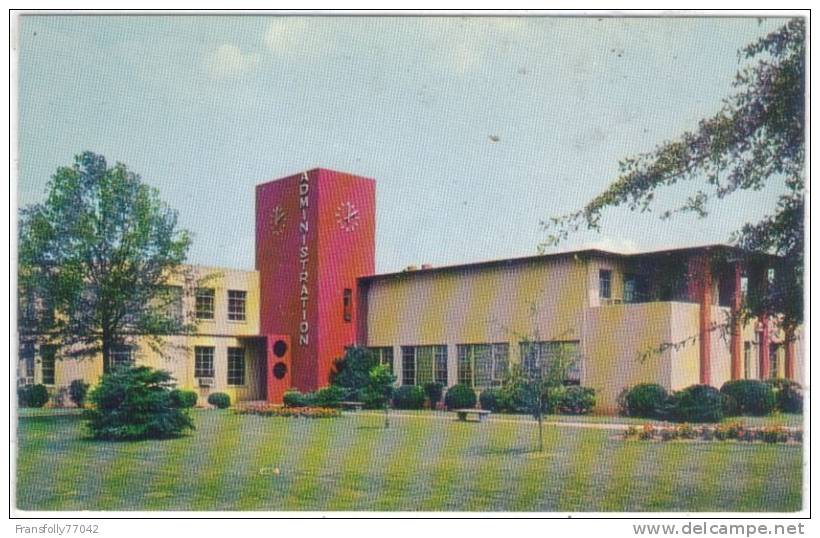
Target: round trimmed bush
[32,395]
[788,395]
[434,392]
[183,399]
[331,396]
[697,403]
[460,396]
[575,400]
[748,397]
[491,400]
[294,398]
[646,400]
[220,400]
[77,391]
[408,397]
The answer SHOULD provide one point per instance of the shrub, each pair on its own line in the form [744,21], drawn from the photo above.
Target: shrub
[380,389]
[32,395]
[331,396]
[492,400]
[135,403]
[352,371]
[408,397]
[646,400]
[78,391]
[294,398]
[183,399]
[434,392]
[460,396]
[514,390]
[59,396]
[748,397]
[220,400]
[697,403]
[788,395]
[575,400]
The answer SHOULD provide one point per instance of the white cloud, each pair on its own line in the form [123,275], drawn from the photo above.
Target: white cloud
[285,35]
[228,61]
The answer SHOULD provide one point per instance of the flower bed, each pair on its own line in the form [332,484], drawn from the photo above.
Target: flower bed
[267,410]
[736,431]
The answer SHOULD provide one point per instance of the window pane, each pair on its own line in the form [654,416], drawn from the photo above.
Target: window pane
[501,353]
[236,305]
[48,355]
[203,361]
[236,366]
[425,356]
[482,362]
[441,365]
[408,366]
[204,303]
[122,355]
[465,368]
[605,283]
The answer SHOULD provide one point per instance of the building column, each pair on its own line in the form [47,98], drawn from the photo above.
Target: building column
[736,344]
[790,355]
[700,290]
[764,371]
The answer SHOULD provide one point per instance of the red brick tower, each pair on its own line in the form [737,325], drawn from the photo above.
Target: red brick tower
[315,233]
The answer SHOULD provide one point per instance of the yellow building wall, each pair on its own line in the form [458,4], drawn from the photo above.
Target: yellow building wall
[176,353]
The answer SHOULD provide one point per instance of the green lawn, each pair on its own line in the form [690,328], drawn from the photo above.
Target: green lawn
[423,462]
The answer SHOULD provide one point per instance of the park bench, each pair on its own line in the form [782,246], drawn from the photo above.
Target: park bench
[462,414]
[354,406]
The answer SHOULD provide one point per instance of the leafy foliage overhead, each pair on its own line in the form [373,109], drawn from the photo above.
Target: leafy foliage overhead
[757,136]
[96,258]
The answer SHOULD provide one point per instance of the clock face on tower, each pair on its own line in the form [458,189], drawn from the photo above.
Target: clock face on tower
[277,220]
[347,216]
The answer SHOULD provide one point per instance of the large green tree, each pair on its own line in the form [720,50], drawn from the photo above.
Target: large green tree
[756,138]
[96,260]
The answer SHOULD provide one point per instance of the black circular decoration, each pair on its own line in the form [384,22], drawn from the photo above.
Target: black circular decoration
[280,348]
[279,370]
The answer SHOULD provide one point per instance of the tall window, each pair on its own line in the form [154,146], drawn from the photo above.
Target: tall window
[203,361]
[384,354]
[483,366]
[236,366]
[48,356]
[424,364]
[542,356]
[27,356]
[774,362]
[747,360]
[204,306]
[347,304]
[236,305]
[122,355]
[169,301]
[605,284]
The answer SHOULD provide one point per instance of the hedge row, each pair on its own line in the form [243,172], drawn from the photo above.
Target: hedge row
[702,403]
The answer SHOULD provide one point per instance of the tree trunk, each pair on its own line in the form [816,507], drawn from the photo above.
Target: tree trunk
[106,353]
[386,417]
[540,433]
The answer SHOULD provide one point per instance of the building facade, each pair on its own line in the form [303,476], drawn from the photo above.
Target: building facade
[664,317]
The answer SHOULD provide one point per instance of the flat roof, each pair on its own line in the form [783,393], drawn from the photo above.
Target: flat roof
[545,257]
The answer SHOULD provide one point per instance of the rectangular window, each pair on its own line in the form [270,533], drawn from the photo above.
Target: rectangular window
[605,284]
[384,354]
[236,305]
[122,355]
[203,361]
[424,364]
[204,306]
[774,363]
[483,366]
[347,305]
[236,366]
[48,357]
[169,302]
[551,359]
[27,356]
[747,360]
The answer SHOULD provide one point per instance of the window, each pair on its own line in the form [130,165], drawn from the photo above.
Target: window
[169,302]
[347,303]
[774,363]
[122,355]
[27,356]
[204,303]
[483,366]
[203,361]
[236,305]
[236,366]
[424,364]
[48,355]
[747,360]
[384,354]
[605,284]
[635,288]
[541,357]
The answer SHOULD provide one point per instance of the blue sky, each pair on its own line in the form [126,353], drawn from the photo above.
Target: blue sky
[206,107]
